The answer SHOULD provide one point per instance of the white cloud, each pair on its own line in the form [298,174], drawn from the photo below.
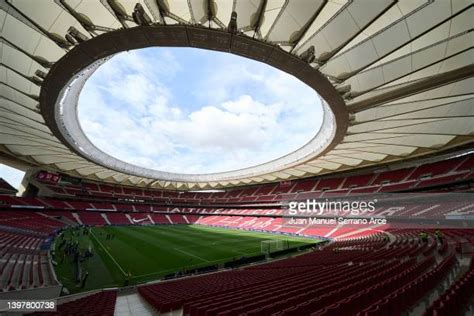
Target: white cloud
[152,111]
[11,175]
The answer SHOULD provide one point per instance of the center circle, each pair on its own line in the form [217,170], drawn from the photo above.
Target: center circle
[194,111]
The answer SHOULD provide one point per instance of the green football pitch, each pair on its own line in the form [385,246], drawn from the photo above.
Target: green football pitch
[145,253]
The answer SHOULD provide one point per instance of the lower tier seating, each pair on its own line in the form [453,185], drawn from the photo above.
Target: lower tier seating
[29,220]
[375,275]
[100,304]
[456,298]
[25,270]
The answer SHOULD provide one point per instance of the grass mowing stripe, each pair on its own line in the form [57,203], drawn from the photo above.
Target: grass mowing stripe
[197,241]
[178,236]
[256,234]
[108,253]
[233,243]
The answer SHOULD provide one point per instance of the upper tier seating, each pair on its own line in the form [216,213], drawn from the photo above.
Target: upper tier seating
[423,176]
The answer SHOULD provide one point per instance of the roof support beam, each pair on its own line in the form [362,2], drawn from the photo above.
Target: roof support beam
[306,27]
[31,96]
[417,87]
[22,17]
[35,80]
[259,15]
[40,60]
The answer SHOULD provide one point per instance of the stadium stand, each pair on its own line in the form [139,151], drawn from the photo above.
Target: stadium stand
[23,264]
[117,218]
[369,270]
[282,287]
[454,300]
[420,177]
[91,218]
[363,276]
[33,221]
[102,303]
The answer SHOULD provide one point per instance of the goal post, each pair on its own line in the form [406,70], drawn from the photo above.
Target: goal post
[272,245]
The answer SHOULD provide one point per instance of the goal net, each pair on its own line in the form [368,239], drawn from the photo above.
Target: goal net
[269,246]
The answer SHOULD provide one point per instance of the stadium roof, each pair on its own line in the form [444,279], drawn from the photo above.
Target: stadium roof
[397,76]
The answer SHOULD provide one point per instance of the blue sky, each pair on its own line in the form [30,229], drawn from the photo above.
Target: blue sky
[194,111]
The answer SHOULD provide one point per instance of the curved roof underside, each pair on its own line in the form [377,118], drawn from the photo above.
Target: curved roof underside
[405,70]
